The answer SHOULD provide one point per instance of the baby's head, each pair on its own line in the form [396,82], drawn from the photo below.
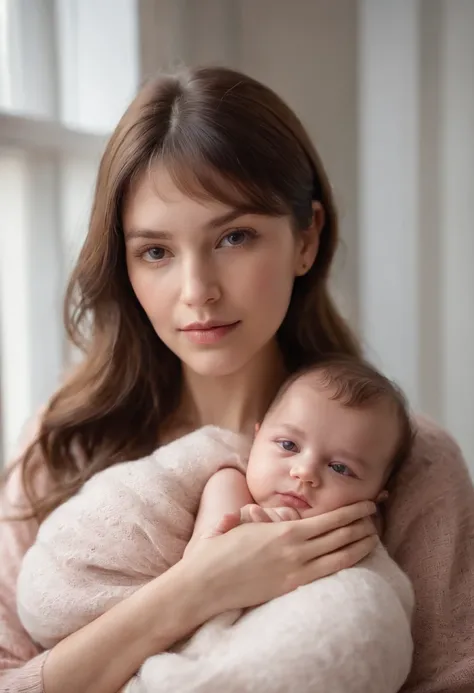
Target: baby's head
[333,436]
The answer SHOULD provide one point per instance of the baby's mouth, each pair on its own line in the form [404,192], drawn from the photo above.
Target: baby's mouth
[293,500]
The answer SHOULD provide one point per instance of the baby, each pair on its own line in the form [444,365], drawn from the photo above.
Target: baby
[333,436]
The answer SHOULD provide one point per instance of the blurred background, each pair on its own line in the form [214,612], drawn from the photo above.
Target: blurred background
[385,88]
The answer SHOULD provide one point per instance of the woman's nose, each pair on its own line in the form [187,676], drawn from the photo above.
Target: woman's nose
[199,283]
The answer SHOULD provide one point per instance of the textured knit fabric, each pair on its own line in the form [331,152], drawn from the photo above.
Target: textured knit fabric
[430,533]
[347,633]
[128,524]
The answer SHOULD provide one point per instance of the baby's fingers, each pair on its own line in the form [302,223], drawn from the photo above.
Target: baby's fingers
[283,514]
[253,513]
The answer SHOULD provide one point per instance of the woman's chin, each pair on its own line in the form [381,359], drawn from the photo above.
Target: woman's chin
[214,365]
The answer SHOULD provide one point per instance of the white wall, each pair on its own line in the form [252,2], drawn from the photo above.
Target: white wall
[456,194]
[416,177]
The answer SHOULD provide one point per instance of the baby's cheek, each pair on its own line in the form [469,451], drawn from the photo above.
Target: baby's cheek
[336,498]
[261,482]
[348,496]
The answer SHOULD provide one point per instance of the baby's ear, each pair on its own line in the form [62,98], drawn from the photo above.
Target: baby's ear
[257,428]
[382,497]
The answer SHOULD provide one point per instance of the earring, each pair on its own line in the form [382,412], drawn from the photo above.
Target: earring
[302,269]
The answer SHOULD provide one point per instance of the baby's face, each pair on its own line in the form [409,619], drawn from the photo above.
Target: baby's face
[312,451]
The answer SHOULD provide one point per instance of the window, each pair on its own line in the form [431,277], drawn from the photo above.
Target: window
[67,70]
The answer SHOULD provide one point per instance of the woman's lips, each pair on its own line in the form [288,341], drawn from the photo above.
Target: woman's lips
[208,335]
[292,500]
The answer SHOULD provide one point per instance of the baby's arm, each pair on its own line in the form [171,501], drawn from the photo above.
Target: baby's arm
[225,493]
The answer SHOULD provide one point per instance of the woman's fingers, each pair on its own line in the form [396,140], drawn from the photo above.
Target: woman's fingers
[337,539]
[311,527]
[332,563]
[255,562]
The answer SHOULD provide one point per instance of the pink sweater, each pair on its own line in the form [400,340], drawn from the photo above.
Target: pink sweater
[430,533]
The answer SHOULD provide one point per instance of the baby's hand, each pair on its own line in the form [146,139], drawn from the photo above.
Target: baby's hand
[249,513]
[255,513]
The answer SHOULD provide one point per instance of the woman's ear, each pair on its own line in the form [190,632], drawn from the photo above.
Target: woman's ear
[308,245]
[382,497]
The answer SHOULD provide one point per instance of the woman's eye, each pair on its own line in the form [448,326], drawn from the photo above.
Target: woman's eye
[236,238]
[288,445]
[154,254]
[341,469]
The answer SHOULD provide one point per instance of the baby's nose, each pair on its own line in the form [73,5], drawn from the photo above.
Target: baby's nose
[307,473]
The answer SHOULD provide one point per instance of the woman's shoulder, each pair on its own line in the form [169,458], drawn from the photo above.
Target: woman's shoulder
[436,456]
[433,488]
[429,531]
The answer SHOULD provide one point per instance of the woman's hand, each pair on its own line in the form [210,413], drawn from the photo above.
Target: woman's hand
[252,563]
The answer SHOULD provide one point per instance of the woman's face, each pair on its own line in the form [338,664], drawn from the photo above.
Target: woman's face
[215,283]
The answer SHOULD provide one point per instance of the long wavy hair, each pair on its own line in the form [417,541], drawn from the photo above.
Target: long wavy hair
[221,135]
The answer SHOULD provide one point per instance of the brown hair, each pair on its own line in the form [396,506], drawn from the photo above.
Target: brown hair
[221,135]
[354,382]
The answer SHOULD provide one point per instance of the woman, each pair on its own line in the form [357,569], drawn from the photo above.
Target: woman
[202,283]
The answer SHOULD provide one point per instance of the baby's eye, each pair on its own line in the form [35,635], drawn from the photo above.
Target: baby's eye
[288,445]
[341,469]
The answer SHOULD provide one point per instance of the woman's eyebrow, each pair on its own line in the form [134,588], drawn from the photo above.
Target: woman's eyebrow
[146,234]
[212,224]
[227,217]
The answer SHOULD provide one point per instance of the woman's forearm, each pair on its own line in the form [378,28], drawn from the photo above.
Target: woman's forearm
[104,655]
